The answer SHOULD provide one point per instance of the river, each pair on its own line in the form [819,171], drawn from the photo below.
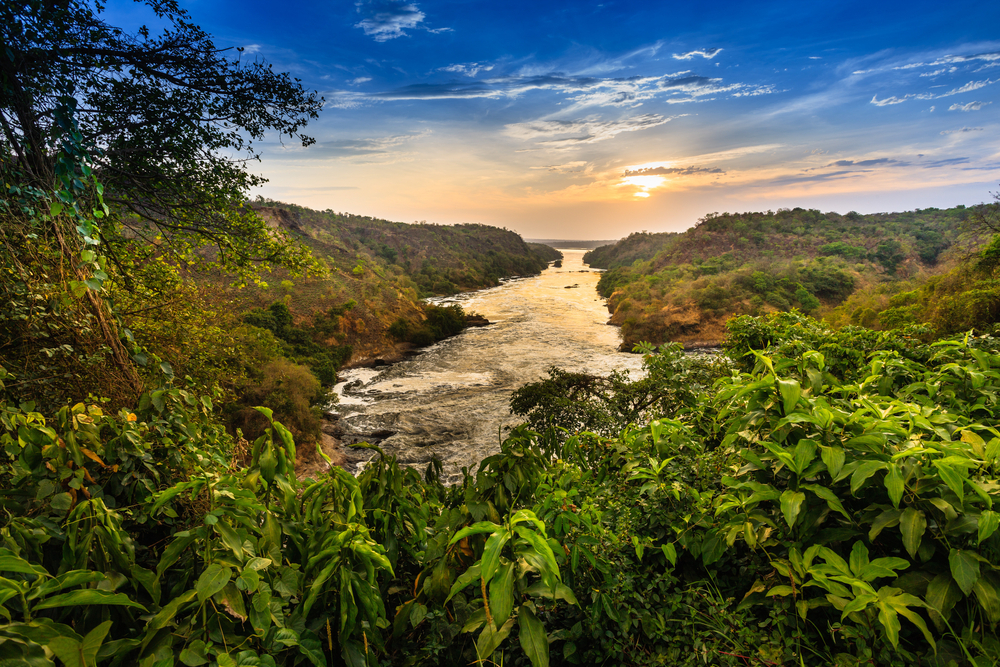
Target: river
[451,401]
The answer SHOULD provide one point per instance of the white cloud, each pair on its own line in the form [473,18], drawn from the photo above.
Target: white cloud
[708,54]
[562,134]
[468,69]
[388,19]
[971,106]
[359,80]
[963,130]
[567,168]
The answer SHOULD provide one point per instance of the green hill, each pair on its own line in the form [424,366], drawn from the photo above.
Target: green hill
[683,287]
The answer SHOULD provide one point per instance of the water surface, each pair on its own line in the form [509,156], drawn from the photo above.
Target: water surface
[452,401]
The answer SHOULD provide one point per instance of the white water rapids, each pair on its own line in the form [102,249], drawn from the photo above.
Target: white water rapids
[451,401]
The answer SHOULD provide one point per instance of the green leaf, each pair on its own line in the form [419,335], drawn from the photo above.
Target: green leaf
[491,638]
[952,478]
[87,596]
[988,522]
[502,593]
[859,558]
[832,501]
[670,553]
[988,598]
[791,504]
[465,579]
[894,483]
[532,637]
[834,458]
[479,528]
[551,573]
[83,653]
[942,595]
[964,568]
[230,538]
[864,471]
[803,455]
[884,520]
[11,563]
[790,394]
[912,524]
[491,552]
[212,580]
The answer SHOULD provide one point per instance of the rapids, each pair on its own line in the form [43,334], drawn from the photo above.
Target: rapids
[451,401]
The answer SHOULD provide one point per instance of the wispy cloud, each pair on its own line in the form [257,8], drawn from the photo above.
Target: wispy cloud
[672,171]
[708,54]
[561,134]
[468,69]
[575,166]
[964,129]
[967,88]
[359,80]
[376,149]
[971,106]
[990,56]
[583,90]
[388,19]
[889,101]
[882,161]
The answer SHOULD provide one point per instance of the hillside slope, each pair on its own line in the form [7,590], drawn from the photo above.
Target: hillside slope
[380,270]
[683,287]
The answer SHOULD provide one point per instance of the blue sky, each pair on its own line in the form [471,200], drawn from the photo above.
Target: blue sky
[593,120]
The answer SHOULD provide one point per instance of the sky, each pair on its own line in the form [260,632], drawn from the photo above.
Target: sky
[592,120]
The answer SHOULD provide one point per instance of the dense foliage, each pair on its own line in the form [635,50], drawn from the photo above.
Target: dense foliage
[789,513]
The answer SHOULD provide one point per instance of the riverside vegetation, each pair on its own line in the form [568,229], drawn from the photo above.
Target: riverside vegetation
[851,269]
[814,496]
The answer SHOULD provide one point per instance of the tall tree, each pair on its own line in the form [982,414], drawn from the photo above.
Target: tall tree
[169,120]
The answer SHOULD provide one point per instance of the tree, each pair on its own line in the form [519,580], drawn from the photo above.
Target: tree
[168,122]
[117,150]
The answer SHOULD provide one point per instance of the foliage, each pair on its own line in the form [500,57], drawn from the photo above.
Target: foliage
[819,506]
[682,287]
[173,160]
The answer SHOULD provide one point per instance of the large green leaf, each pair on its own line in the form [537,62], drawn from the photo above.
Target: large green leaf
[942,595]
[551,572]
[952,477]
[912,524]
[465,579]
[230,538]
[212,580]
[82,653]
[832,501]
[988,522]
[479,528]
[834,458]
[532,636]
[964,568]
[87,596]
[790,394]
[490,638]
[791,505]
[863,472]
[491,552]
[12,563]
[894,483]
[987,596]
[884,520]
[502,593]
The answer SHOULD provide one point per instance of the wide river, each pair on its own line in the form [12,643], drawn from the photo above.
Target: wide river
[452,400]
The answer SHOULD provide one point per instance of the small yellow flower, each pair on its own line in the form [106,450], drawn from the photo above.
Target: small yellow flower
[131,417]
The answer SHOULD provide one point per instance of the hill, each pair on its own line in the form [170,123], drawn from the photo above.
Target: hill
[683,287]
